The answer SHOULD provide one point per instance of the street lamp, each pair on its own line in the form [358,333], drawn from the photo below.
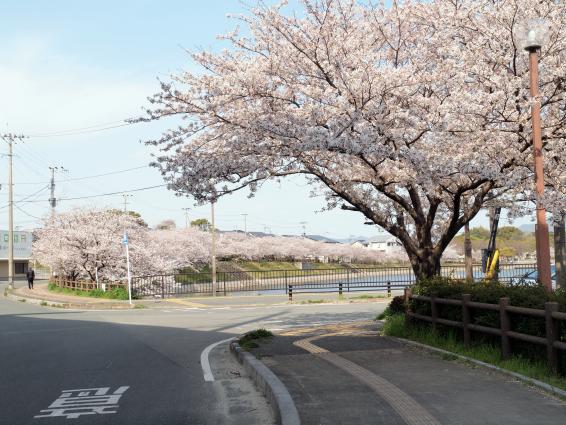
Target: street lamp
[534,37]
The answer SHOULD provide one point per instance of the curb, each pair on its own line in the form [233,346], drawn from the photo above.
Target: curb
[531,381]
[277,394]
[66,305]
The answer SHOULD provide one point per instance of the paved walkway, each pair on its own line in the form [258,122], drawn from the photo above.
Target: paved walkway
[40,292]
[350,375]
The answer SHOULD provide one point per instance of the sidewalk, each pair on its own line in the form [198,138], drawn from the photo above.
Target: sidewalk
[348,374]
[41,295]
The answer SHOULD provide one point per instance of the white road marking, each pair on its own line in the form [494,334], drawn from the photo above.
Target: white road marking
[91,401]
[208,376]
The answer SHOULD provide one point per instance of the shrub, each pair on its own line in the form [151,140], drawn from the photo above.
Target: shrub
[396,306]
[249,340]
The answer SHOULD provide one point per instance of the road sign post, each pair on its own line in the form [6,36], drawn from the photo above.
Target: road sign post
[125,242]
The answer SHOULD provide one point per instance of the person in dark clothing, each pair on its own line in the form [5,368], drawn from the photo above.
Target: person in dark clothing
[31,276]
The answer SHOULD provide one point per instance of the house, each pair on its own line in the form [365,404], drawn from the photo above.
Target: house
[384,243]
[359,244]
[319,238]
[22,253]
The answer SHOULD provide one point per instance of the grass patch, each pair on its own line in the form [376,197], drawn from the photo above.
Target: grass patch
[251,339]
[43,303]
[22,300]
[113,294]
[367,297]
[312,302]
[139,306]
[450,341]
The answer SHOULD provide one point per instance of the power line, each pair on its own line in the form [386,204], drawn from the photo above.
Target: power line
[104,194]
[88,177]
[28,214]
[76,132]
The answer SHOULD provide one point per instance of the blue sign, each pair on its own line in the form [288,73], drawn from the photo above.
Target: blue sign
[125,239]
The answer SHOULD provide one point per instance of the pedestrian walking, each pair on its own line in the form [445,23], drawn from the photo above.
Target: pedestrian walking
[30,274]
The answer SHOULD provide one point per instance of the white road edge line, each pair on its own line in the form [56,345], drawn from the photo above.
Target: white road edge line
[208,376]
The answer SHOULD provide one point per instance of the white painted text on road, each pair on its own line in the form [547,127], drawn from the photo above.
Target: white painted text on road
[91,401]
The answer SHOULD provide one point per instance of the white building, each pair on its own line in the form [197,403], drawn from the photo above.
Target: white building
[359,244]
[384,243]
[22,253]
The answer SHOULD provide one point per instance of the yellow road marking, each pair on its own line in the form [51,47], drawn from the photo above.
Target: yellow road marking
[187,303]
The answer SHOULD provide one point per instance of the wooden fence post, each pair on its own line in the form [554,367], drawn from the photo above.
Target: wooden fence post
[466,318]
[505,325]
[433,311]
[408,294]
[551,335]
[162,287]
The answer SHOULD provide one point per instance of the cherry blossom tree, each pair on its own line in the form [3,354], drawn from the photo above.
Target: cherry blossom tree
[415,115]
[85,242]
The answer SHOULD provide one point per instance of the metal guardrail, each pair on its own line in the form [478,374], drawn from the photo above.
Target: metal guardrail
[302,281]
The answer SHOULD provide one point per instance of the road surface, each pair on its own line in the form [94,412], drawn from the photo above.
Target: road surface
[138,366]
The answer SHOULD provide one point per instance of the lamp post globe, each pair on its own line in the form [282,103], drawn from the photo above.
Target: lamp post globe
[534,35]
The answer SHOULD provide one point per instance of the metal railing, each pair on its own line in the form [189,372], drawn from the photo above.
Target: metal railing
[303,281]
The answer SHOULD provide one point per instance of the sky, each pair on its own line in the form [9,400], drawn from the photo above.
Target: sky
[71,72]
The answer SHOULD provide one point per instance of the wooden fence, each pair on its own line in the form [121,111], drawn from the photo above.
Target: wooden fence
[86,285]
[550,313]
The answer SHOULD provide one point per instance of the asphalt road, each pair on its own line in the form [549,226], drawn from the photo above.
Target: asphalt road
[144,363]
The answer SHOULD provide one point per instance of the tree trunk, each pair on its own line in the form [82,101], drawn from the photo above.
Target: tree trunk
[468,253]
[425,267]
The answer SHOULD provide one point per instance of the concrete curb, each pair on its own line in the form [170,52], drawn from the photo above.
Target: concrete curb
[279,398]
[66,305]
[531,381]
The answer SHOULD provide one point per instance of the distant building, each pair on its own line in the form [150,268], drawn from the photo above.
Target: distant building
[319,238]
[359,244]
[22,253]
[384,243]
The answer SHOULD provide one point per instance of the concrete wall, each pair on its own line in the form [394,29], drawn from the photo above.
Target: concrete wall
[4,269]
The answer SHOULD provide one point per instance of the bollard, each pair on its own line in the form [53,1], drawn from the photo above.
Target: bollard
[340,288]
[290,292]
[388,289]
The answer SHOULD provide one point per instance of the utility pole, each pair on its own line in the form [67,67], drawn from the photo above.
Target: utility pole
[126,196]
[52,199]
[10,215]
[304,224]
[186,217]
[213,250]
[245,223]
[560,250]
